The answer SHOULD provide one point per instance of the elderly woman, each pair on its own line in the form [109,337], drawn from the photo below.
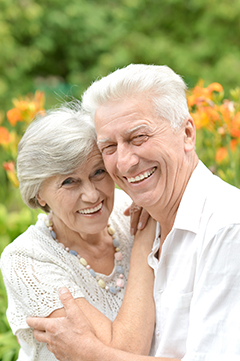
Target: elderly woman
[82,242]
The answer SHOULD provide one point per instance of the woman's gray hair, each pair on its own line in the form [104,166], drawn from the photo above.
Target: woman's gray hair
[54,144]
[165,88]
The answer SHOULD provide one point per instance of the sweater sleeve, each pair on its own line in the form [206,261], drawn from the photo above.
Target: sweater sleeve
[32,276]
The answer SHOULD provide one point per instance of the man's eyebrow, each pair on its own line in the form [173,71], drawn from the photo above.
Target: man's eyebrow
[129,131]
[101,141]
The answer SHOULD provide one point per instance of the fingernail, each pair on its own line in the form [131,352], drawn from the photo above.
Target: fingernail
[139,226]
[63,290]
[132,232]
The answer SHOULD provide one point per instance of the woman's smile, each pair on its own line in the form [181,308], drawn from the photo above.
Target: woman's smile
[91,210]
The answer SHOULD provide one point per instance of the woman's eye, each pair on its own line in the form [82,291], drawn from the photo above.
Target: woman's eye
[68,181]
[100,172]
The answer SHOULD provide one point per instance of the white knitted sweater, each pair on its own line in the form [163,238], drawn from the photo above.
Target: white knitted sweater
[34,267]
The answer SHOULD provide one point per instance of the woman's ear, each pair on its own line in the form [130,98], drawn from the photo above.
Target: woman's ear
[40,200]
[189,135]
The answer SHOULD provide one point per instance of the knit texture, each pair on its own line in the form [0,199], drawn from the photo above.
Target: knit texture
[34,267]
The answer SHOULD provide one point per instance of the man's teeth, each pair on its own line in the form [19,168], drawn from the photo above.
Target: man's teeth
[141,176]
[91,210]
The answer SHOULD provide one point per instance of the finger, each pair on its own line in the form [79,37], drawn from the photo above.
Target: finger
[40,336]
[127,211]
[37,323]
[143,219]
[135,212]
[68,302]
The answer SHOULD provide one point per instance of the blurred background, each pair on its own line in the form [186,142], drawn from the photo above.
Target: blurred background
[58,47]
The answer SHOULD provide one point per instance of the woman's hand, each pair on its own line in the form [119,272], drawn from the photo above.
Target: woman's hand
[138,218]
[147,234]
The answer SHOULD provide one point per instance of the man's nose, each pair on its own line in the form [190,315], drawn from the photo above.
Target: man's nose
[126,158]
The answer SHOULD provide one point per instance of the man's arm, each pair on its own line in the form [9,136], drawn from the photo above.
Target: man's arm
[132,330]
[88,347]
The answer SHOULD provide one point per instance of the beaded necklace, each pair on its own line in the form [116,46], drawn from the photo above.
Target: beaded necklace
[118,257]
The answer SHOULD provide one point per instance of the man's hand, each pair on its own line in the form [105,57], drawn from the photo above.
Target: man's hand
[139,217]
[63,335]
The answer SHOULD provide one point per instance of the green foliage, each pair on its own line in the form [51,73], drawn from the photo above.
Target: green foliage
[11,225]
[49,44]
[8,343]
[61,46]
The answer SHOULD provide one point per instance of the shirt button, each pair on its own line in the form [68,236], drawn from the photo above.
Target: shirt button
[160,290]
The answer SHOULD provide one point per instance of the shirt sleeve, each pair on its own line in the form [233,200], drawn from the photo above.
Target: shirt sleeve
[214,322]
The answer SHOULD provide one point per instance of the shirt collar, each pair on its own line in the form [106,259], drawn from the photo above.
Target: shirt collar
[191,207]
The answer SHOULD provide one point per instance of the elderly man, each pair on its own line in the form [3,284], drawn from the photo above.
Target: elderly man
[147,139]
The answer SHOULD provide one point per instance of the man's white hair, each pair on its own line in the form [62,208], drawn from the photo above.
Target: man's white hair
[161,84]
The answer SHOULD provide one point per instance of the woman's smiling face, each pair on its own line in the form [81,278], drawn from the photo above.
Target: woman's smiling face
[82,200]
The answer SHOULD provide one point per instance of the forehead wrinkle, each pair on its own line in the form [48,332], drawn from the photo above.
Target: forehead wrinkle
[126,132]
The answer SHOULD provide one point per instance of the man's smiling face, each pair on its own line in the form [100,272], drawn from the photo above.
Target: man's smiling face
[141,152]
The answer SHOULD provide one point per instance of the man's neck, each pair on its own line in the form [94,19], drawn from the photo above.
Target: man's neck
[165,215]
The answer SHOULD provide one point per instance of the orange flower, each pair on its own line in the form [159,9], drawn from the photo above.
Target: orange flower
[235,126]
[26,109]
[225,113]
[14,115]
[201,118]
[11,174]
[215,87]
[39,99]
[221,154]
[201,95]
[4,136]
[233,145]
[9,166]
[212,114]
[21,105]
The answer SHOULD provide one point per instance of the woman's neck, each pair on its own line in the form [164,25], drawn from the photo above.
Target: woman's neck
[96,248]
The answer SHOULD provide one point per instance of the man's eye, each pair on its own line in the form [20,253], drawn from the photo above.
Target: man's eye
[139,139]
[108,150]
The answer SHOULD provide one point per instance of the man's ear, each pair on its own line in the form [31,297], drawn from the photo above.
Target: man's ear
[41,201]
[189,135]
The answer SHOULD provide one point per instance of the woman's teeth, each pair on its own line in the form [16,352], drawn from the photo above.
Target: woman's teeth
[91,210]
[141,176]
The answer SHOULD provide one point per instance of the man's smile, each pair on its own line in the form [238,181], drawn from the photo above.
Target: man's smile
[141,177]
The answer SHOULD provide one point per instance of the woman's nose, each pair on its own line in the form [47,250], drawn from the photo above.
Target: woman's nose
[89,193]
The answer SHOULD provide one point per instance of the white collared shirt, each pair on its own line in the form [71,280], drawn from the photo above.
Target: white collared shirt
[197,279]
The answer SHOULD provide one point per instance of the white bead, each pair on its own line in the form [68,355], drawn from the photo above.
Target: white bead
[111,230]
[83,261]
[101,283]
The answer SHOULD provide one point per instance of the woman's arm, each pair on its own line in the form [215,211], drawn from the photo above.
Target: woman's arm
[133,327]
